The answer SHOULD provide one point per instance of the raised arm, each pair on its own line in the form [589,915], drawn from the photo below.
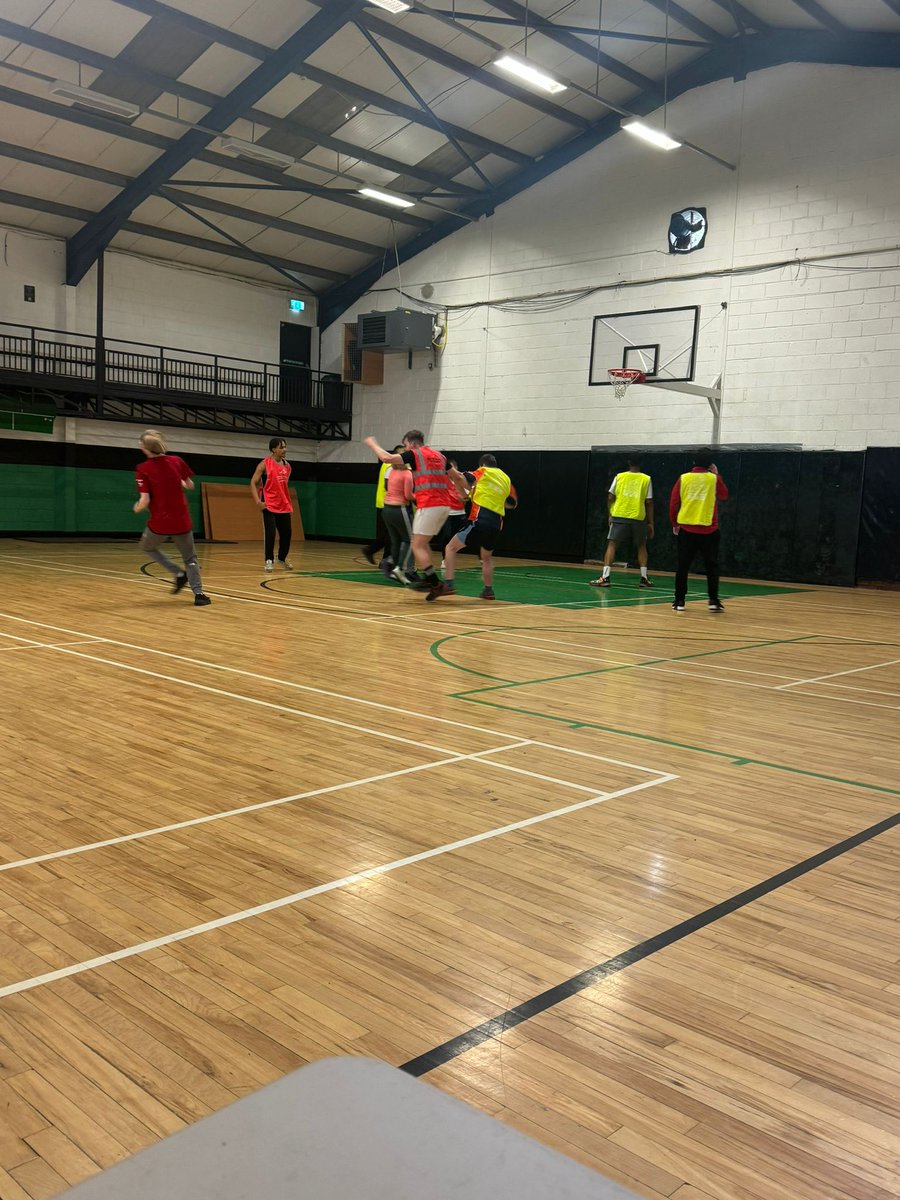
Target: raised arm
[396,460]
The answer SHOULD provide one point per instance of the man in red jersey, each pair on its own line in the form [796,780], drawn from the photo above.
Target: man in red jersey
[431,492]
[274,499]
[162,480]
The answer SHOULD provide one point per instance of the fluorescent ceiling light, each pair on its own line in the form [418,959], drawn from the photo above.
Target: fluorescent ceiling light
[647,133]
[260,154]
[392,6]
[523,69]
[386,197]
[97,100]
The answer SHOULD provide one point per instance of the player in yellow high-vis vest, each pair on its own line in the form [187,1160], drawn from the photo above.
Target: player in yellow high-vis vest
[492,494]
[694,513]
[630,519]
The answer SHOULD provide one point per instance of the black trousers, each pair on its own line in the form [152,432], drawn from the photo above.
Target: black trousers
[381,535]
[281,522]
[689,544]
[398,522]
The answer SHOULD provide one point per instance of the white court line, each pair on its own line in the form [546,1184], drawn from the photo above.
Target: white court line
[209,818]
[45,646]
[848,700]
[203,687]
[181,935]
[324,692]
[834,674]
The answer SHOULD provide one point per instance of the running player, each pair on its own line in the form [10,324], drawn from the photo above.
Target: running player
[492,494]
[162,481]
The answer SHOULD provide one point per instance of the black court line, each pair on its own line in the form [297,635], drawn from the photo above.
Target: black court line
[496,1026]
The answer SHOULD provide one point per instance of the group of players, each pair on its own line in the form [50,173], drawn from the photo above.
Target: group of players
[423,495]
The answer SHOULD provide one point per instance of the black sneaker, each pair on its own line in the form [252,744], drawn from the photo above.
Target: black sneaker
[442,589]
[716,606]
[488,594]
[645,582]
[368,554]
[677,607]
[423,584]
[200,599]
[180,581]
[386,566]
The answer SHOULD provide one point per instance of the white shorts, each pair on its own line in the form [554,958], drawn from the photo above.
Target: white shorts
[430,521]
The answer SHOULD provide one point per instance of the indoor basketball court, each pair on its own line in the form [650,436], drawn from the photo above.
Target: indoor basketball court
[514,385]
[607,875]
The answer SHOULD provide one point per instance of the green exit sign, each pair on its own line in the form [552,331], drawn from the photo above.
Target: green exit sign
[297,305]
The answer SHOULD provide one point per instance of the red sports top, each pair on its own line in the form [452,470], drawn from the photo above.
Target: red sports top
[275,494]
[160,478]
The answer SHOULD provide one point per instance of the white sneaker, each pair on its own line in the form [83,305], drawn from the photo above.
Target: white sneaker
[399,576]
[270,566]
[443,568]
[287,564]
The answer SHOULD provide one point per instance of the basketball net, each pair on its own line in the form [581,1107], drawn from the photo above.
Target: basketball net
[622,378]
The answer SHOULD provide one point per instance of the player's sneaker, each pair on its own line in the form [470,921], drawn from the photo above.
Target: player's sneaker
[386,566]
[603,581]
[201,599]
[442,589]
[421,584]
[488,594]
[677,607]
[645,582]
[397,574]
[368,555]
[270,566]
[286,563]
[716,606]
[180,581]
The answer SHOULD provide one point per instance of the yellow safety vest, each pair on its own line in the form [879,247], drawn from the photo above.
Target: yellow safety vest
[492,489]
[631,496]
[698,498]
[382,484]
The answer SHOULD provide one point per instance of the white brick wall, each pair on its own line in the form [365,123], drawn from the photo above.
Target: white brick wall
[812,355]
[146,301]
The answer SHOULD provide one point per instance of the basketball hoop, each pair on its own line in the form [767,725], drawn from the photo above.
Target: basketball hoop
[622,378]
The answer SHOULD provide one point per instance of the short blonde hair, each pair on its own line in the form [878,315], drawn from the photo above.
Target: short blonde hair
[154,442]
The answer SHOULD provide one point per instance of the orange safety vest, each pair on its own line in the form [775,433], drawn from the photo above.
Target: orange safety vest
[431,484]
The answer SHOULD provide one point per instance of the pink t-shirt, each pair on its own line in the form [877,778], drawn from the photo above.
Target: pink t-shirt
[399,487]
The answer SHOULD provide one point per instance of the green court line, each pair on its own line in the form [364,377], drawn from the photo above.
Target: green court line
[472,696]
[508,683]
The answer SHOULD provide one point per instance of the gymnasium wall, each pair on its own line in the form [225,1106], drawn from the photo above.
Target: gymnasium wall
[146,300]
[812,350]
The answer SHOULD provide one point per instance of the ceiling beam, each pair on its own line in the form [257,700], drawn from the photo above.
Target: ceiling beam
[753,52]
[345,87]
[893,5]
[82,249]
[751,20]
[593,54]
[815,10]
[57,209]
[687,20]
[461,66]
[108,125]
[68,166]
[185,91]
[584,30]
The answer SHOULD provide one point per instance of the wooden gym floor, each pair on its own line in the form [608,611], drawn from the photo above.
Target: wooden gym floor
[624,878]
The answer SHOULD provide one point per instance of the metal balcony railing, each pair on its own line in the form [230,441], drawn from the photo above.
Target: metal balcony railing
[55,358]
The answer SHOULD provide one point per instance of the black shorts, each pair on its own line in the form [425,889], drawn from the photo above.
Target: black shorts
[480,535]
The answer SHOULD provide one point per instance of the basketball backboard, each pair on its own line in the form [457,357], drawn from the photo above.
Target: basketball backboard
[661,342]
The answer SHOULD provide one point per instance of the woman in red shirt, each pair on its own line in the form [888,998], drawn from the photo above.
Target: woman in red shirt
[162,481]
[274,499]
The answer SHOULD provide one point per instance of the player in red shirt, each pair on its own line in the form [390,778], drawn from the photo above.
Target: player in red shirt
[269,489]
[162,480]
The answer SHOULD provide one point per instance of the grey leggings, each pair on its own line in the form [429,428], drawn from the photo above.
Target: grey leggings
[151,542]
[399,528]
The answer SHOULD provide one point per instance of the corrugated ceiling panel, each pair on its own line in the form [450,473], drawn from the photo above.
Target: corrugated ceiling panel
[98,24]
[218,69]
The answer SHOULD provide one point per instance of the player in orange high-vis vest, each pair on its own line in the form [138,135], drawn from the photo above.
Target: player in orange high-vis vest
[431,492]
